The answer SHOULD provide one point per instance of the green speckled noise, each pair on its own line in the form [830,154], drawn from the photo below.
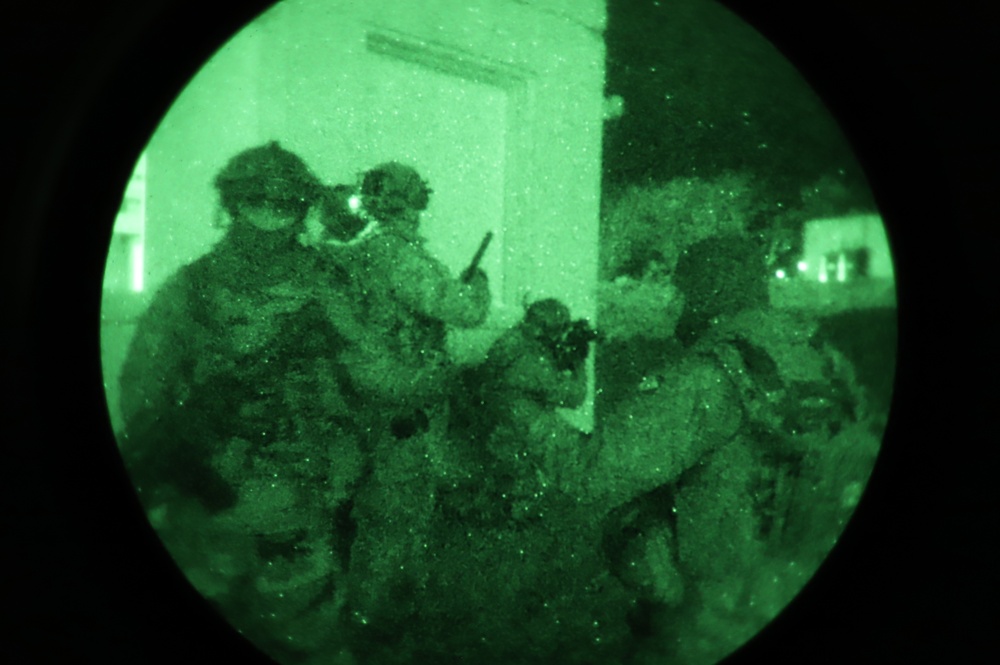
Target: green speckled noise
[499,332]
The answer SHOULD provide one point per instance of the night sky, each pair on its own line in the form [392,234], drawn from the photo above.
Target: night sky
[704,92]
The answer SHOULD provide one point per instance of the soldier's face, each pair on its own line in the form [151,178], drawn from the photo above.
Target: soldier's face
[273,215]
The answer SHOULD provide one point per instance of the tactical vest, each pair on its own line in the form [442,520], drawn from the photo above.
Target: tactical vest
[795,391]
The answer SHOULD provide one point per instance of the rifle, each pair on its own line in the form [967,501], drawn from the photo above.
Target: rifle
[571,348]
[471,270]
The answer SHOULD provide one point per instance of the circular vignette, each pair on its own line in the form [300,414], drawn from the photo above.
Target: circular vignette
[78,251]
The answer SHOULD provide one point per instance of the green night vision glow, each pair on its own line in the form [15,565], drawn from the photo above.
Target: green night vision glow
[444,331]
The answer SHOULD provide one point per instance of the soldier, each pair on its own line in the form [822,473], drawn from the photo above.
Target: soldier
[515,569]
[407,300]
[238,428]
[532,370]
[751,519]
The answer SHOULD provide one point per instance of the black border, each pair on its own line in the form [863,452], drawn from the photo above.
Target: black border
[84,579]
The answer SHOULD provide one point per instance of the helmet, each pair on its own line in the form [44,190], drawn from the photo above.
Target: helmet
[549,317]
[391,188]
[720,275]
[266,173]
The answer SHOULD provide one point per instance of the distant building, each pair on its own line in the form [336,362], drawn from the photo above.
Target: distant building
[845,248]
[845,264]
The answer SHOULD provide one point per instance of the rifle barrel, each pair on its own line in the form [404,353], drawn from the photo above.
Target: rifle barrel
[478,256]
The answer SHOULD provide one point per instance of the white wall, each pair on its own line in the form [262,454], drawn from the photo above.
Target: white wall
[825,236]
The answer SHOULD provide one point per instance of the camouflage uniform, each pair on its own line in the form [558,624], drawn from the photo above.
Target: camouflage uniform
[515,570]
[520,393]
[519,551]
[238,434]
[407,300]
[761,471]
[756,516]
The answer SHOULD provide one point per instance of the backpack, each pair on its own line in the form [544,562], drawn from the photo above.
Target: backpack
[796,392]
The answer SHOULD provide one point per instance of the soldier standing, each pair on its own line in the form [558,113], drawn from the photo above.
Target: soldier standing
[407,300]
[238,428]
